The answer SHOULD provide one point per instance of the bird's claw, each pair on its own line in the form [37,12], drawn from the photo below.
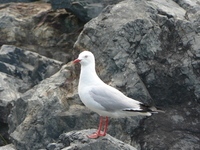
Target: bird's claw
[100,134]
[96,135]
[93,136]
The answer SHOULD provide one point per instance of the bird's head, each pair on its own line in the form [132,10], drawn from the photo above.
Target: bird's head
[85,58]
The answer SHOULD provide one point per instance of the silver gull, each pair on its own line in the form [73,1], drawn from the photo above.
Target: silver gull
[104,99]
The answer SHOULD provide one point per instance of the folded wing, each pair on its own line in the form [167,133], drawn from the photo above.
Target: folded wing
[113,100]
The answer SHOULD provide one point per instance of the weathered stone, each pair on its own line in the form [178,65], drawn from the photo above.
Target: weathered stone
[8,147]
[79,140]
[85,10]
[4,136]
[38,122]
[51,108]
[178,129]
[18,1]
[149,49]
[42,112]
[20,70]
[36,27]
[22,1]
[27,67]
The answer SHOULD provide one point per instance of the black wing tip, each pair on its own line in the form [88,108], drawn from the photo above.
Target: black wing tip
[145,108]
[152,109]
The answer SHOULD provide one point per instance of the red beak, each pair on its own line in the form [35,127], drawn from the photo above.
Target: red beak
[76,60]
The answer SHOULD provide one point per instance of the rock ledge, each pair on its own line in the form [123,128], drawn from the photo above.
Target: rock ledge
[79,140]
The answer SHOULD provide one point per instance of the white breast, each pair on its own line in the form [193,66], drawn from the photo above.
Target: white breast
[88,100]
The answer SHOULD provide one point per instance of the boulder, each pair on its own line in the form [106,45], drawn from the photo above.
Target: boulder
[22,1]
[36,27]
[28,67]
[25,71]
[85,10]
[150,51]
[34,120]
[20,70]
[147,49]
[52,107]
[79,140]
[16,1]
[8,147]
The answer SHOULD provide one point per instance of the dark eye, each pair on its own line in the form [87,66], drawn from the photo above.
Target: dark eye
[86,56]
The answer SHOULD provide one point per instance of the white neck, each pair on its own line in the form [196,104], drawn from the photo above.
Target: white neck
[89,76]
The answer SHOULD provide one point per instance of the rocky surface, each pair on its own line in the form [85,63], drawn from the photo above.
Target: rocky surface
[147,49]
[36,27]
[79,140]
[153,52]
[20,70]
[19,1]
[8,147]
[85,10]
[50,107]
[40,121]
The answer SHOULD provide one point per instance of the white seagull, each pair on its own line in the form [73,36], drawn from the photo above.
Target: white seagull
[104,99]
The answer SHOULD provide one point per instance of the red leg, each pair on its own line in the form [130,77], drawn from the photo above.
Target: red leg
[105,128]
[100,124]
[98,132]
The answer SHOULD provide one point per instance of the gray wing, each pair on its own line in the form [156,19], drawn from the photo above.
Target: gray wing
[112,99]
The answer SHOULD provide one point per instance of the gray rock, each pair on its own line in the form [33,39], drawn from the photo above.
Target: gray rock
[27,67]
[4,136]
[53,107]
[42,112]
[21,1]
[149,50]
[40,105]
[36,27]
[8,147]
[78,140]
[146,49]
[20,70]
[17,1]
[85,10]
